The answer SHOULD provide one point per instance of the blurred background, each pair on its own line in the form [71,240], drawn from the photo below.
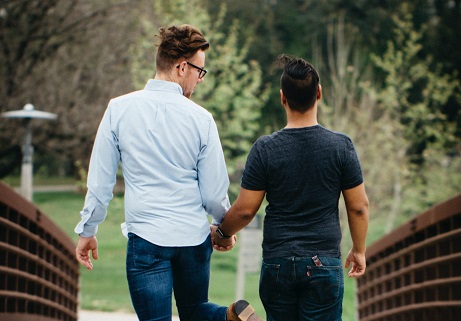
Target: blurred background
[390,72]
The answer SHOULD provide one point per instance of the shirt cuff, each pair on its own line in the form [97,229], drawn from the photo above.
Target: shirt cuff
[91,217]
[85,231]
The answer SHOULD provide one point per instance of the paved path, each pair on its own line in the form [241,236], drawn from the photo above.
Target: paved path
[85,315]
[50,188]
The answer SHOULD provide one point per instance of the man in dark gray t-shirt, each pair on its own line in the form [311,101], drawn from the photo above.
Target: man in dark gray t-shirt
[302,170]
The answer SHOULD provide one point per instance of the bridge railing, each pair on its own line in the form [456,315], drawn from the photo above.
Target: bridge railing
[414,273]
[39,277]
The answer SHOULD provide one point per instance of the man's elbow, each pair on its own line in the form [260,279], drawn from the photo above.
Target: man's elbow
[360,210]
[246,215]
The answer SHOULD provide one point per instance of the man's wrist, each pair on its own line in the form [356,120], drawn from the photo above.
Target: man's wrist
[221,234]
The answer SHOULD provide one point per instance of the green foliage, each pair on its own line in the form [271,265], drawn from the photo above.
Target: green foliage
[415,90]
[438,179]
[411,101]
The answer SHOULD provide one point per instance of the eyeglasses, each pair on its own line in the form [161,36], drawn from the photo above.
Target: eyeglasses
[202,71]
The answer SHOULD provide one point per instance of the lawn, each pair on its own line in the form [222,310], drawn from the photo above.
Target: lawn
[105,288]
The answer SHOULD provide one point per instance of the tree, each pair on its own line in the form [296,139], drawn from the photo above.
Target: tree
[61,56]
[231,91]
[413,95]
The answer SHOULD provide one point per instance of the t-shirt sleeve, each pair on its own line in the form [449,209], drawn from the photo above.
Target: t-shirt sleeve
[254,175]
[352,175]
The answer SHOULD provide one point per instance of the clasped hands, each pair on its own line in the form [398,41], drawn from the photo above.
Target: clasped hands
[222,244]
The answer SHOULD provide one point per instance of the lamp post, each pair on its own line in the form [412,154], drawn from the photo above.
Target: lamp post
[27,114]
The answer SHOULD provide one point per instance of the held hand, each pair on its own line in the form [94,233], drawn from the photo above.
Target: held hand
[358,261]
[221,244]
[224,245]
[82,252]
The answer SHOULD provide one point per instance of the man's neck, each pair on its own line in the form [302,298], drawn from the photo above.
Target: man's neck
[164,76]
[301,124]
[300,120]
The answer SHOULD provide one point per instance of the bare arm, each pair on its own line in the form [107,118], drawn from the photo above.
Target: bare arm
[356,201]
[239,215]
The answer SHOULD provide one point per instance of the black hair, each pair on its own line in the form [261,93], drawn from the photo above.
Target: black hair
[299,82]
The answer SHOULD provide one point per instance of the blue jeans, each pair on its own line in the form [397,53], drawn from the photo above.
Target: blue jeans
[154,272]
[295,289]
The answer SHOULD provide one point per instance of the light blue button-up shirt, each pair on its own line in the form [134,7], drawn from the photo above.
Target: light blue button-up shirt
[173,167]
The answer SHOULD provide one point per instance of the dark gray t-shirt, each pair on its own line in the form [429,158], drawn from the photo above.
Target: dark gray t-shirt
[303,171]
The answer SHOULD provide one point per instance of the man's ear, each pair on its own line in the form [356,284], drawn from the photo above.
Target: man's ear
[181,68]
[283,99]
[319,92]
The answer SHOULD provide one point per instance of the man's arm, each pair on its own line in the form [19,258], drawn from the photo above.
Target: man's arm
[104,162]
[356,202]
[212,175]
[239,215]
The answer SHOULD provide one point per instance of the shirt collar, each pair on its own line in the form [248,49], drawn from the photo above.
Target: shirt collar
[163,85]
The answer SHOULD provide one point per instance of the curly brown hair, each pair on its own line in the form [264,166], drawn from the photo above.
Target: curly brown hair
[178,42]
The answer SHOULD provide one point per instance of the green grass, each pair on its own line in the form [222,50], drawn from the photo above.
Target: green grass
[15,181]
[105,288]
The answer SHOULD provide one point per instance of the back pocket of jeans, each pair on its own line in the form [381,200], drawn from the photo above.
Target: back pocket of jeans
[143,253]
[325,284]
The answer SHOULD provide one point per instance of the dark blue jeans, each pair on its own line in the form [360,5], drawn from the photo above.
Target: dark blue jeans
[154,272]
[295,289]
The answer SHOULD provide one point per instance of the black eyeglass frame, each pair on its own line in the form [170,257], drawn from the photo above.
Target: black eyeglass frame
[202,71]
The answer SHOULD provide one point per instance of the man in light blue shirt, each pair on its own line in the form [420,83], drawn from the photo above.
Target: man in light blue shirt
[175,176]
